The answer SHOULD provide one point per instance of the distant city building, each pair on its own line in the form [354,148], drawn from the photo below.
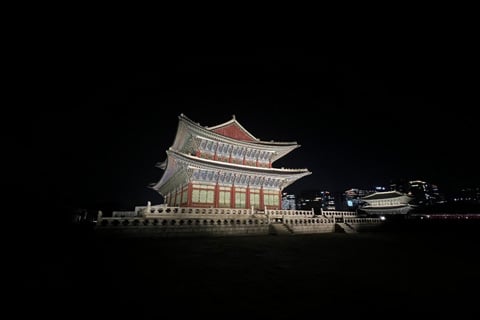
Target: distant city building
[328,200]
[317,200]
[224,166]
[424,193]
[352,198]
[288,201]
[466,195]
[309,200]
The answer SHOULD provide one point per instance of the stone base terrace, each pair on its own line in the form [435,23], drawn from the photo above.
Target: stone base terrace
[166,221]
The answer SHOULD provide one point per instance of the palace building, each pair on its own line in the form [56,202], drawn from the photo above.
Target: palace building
[220,181]
[224,166]
[387,203]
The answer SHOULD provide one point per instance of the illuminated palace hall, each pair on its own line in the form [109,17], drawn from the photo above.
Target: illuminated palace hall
[220,180]
[224,166]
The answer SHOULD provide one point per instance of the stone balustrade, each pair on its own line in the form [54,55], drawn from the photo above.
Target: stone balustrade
[183,221]
[290,213]
[122,214]
[339,213]
[183,227]
[140,221]
[362,220]
[162,210]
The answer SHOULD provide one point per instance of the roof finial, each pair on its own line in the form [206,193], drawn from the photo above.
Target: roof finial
[233,116]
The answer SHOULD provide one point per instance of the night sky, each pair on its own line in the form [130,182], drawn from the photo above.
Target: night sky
[362,117]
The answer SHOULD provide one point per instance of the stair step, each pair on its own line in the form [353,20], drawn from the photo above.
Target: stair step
[279,229]
[346,228]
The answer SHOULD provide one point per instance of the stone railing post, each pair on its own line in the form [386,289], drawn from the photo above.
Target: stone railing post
[149,206]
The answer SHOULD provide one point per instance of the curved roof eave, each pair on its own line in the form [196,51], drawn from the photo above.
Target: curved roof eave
[235,166]
[251,143]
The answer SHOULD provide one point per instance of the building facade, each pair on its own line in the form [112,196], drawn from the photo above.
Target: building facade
[224,166]
[288,201]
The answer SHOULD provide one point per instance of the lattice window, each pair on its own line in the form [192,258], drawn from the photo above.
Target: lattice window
[271,199]
[255,198]
[202,194]
[224,196]
[240,198]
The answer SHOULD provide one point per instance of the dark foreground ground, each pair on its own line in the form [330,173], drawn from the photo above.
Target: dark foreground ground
[408,270]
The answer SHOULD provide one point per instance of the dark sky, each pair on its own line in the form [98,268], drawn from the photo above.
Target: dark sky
[362,117]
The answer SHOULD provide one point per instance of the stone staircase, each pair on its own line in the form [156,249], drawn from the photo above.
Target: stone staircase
[345,227]
[279,229]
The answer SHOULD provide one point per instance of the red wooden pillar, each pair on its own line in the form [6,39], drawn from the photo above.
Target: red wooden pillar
[279,204]
[247,198]
[262,202]
[216,196]
[232,197]
[189,193]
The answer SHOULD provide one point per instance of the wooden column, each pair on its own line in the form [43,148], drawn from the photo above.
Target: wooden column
[216,196]
[262,202]
[189,193]
[232,197]
[279,204]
